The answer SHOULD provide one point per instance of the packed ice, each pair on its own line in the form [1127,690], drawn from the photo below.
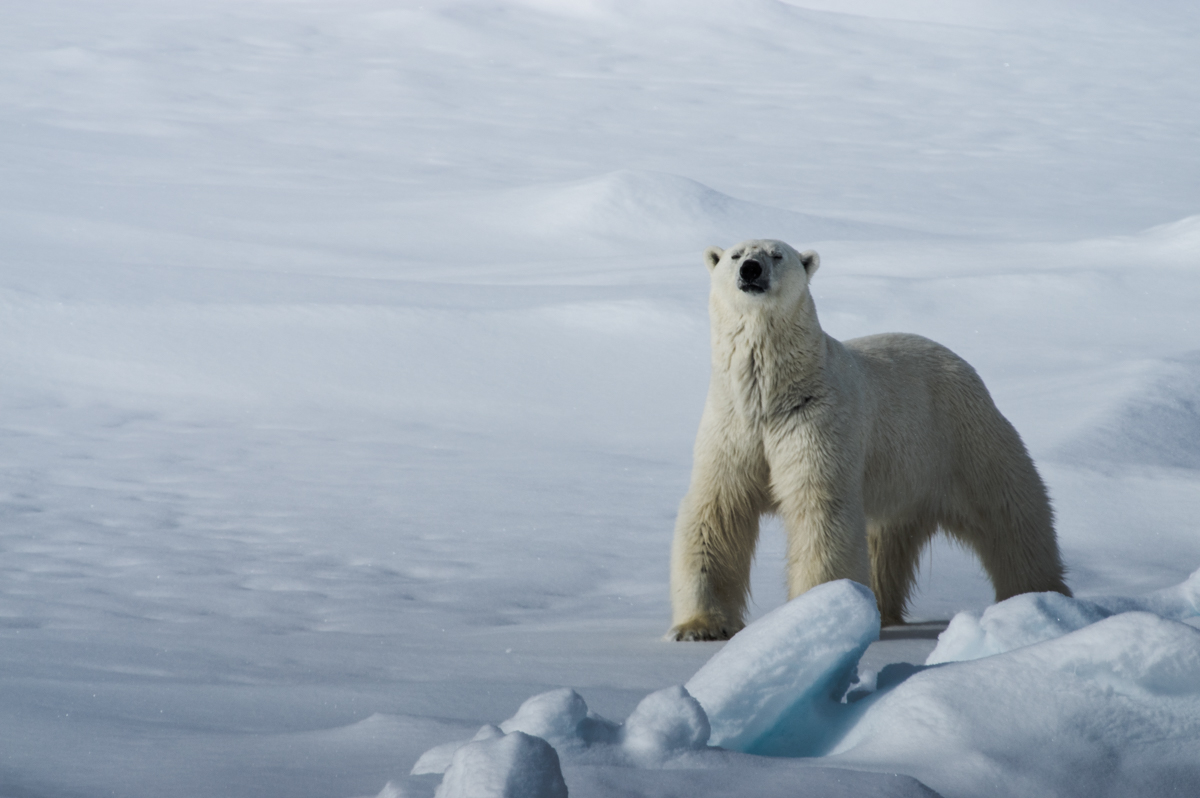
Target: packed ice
[773,688]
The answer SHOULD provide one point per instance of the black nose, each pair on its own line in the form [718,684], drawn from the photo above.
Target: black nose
[751,270]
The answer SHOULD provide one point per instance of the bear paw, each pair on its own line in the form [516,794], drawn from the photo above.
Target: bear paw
[700,629]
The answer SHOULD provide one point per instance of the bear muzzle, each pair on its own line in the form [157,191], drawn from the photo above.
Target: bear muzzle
[752,279]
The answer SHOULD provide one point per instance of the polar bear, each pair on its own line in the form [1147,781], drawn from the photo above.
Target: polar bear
[864,448]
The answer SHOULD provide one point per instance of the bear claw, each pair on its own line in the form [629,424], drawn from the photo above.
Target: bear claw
[700,631]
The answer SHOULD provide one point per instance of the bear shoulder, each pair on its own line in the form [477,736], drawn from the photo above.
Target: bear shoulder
[907,349]
[897,359]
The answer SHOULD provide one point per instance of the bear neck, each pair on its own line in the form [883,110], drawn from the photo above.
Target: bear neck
[769,363]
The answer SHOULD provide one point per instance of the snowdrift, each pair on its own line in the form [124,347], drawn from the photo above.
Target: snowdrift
[1158,426]
[624,211]
[1041,695]
[631,205]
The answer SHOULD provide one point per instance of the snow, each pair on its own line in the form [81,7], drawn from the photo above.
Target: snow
[1158,427]
[665,722]
[351,355]
[1034,617]
[515,765]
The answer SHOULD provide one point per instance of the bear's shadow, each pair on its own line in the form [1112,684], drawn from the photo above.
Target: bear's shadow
[924,630]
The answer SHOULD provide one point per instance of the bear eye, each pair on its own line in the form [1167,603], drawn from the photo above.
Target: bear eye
[776,256]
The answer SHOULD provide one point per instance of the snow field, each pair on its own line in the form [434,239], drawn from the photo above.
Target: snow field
[351,355]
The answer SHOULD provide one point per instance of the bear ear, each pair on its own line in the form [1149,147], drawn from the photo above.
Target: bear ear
[811,261]
[712,256]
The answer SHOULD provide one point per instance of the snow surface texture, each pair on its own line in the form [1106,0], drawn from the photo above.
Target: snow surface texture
[351,354]
[1057,670]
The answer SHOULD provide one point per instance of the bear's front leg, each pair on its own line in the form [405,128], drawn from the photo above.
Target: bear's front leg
[715,535]
[717,526]
[826,534]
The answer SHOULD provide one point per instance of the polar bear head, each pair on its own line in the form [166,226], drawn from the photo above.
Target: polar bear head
[761,272]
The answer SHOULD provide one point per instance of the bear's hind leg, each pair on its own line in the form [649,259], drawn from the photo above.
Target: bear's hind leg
[999,507]
[895,549]
[1017,548]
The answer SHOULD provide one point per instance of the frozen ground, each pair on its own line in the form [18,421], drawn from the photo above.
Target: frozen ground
[351,353]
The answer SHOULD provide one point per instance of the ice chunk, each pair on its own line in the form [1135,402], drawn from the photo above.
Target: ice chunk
[664,723]
[516,765]
[1036,617]
[774,687]
[1112,709]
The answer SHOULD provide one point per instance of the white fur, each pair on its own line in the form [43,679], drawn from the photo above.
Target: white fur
[864,449]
